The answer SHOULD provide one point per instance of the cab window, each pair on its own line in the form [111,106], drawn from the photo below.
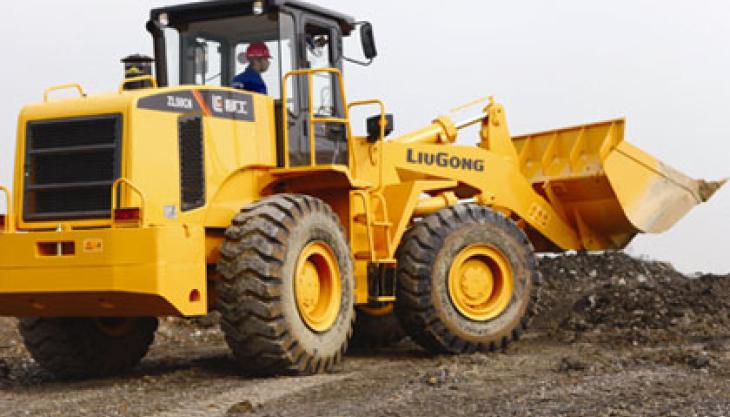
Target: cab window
[213,52]
[270,77]
[330,136]
[208,62]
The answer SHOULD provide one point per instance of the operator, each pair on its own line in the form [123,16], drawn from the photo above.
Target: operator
[258,57]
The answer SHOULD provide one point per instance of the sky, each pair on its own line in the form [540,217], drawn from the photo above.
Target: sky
[663,65]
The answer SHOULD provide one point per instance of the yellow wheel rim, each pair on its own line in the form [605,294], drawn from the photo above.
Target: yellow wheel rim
[317,286]
[481,282]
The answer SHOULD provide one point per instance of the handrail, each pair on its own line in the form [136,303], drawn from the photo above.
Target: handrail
[63,87]
[9,226]
[383,121]
[367,102]
[383,124]
[312,119]
[151,79]
[134,188]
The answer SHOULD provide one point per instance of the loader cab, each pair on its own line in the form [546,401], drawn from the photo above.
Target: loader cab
[204,44]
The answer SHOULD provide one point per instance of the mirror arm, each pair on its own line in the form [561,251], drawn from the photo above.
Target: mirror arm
[355,61]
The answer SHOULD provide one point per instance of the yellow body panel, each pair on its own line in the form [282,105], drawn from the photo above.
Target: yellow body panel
[231,156]
[149,270]
[234,152]
[500,184]
[576,188]
[158,268]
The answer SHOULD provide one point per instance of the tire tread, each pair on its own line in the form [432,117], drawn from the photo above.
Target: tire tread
[415,256]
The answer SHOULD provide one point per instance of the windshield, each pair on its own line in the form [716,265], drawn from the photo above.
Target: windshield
[214,52]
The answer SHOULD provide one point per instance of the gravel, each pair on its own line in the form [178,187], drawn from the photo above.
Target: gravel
[616,336]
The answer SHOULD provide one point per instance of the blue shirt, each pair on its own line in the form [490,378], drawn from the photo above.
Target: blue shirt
[250,80]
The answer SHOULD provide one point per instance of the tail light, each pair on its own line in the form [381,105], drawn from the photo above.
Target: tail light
[128,215]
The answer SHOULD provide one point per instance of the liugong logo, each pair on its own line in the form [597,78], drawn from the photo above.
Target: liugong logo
[444,160]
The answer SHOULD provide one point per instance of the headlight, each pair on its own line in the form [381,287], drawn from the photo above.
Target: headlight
[164,20]
[258,7]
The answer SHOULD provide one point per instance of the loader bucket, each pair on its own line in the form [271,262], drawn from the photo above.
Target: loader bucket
[606,188]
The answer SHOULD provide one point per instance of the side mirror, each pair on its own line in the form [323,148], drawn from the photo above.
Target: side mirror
[368,41]
[373,125]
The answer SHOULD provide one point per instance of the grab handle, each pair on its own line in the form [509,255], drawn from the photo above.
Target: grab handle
[63,87]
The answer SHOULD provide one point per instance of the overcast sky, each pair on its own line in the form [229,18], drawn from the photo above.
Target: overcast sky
[664,65]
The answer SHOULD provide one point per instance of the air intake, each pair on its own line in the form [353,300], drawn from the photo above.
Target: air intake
[192,164]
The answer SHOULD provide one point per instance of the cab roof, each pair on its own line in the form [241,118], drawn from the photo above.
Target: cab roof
[213,9]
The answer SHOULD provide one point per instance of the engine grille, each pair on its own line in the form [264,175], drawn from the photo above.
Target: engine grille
[70,167]
[192,165]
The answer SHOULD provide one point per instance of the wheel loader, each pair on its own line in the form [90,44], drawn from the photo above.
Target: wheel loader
[177,195]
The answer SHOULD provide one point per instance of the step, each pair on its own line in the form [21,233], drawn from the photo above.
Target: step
[362,256]
[363,219]
[365,256]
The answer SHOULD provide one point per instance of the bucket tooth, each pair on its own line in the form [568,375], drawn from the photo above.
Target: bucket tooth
[709,188]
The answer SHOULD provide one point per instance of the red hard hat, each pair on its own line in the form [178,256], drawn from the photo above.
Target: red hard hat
[258,50]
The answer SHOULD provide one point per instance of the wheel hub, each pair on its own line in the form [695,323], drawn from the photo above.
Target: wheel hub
[308,285]
[481,282]
[317,286]
[476,281]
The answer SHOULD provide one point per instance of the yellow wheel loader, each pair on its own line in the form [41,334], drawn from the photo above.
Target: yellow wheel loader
[177,194]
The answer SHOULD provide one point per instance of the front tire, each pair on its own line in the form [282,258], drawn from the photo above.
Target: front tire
[72,348]
[467,281]
[286,295]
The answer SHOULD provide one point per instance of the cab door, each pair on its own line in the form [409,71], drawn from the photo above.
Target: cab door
[317,128]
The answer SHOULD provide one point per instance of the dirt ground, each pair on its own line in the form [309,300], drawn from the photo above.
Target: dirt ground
[616,336]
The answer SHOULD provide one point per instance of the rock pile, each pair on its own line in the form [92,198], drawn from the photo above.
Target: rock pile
[613,294]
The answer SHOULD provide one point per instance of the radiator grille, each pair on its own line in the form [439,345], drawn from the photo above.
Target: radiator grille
[192,165]
[70,167]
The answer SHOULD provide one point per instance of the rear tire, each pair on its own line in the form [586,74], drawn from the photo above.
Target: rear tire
[467,281]
[286,295]
[73,348]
